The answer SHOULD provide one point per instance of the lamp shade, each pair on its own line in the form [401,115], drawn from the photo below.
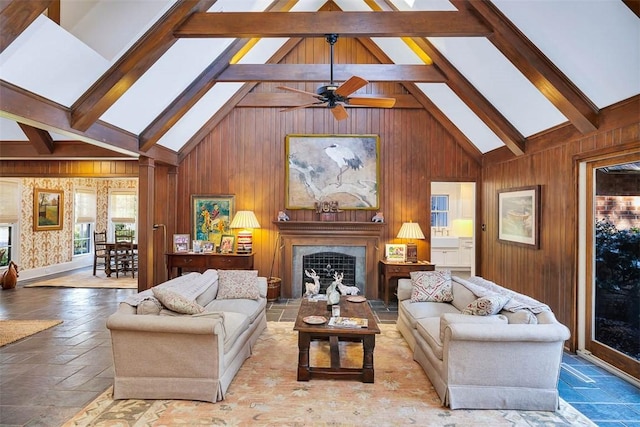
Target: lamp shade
[245,220]
[410,230]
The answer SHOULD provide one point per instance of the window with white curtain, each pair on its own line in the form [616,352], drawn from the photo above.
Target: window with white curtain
[123,212]
[9,215]
[85,201]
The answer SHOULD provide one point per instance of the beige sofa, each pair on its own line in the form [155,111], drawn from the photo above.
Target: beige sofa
[187,338]
[509,360]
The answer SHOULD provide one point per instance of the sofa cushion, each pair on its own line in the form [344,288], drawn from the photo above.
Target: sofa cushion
[449,318]
[520,317]
[234,325]
[429,330]
[176,302]
[150,305]
[209,294]
[432,286]
[250,308]
[462,296]
[486,305]
[422,310]
[234,284]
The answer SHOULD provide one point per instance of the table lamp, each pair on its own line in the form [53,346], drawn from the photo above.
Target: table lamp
[246,221]
[411,230]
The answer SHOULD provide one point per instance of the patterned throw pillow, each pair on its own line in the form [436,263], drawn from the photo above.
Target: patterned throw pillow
[487,305]
[434,286]
[234,284]
[176,302]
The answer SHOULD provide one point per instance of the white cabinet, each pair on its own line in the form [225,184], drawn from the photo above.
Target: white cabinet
[447,256]
[442,257]
[466,253]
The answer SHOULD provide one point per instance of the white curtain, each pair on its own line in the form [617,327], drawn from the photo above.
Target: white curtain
[85,205]
[123,207]
[9,201]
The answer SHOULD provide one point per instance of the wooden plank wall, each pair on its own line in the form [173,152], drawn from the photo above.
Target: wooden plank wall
[550,273]
[69,168]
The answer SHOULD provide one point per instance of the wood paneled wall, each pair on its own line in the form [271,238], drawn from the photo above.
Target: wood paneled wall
[550,273]
[69,168]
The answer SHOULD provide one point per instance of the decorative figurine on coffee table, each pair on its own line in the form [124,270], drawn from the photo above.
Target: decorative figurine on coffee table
[312,288]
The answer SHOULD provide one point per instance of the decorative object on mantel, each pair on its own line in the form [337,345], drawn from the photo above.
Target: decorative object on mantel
[246,221]
[282,216]
[327,210]
[10,276]
[312,288]
[411,230]
[378,217]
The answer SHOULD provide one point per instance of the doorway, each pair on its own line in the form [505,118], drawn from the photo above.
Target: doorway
[609,282]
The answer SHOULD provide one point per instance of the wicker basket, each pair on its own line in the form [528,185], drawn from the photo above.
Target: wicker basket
[273,288]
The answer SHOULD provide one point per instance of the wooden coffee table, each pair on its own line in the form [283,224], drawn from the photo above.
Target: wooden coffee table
[307,332]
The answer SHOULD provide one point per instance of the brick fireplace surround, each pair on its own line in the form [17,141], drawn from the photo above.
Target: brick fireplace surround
[329,234]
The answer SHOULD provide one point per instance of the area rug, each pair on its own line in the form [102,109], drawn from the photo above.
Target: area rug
[265,392]
[13,330]
[85,279]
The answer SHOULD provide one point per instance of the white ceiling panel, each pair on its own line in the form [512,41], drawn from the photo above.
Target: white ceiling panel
[51,62]
[465,119]
[197,116]
[596,43]
[166,79]
[500,82]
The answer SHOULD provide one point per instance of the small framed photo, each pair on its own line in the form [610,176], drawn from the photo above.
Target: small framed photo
[208,247]
[181,242]
[395,252]
[226,243]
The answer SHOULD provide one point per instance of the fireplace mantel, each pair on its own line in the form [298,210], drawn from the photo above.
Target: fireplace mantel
[330,233]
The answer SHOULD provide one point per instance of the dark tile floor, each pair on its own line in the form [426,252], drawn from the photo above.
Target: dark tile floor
[48,377]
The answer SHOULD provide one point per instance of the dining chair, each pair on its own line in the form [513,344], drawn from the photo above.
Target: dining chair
[99,250]
[124,258]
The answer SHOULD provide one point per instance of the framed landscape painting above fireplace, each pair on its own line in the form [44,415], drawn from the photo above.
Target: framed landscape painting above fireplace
[332,168]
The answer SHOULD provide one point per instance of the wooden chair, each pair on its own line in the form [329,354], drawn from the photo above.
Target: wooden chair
[124,258]
[99,250]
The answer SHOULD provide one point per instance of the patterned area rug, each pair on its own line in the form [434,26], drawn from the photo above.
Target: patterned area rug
[266,393]
[85,279]
[14,330]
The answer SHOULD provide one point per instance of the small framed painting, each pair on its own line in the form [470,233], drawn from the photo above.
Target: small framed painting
[519,216]
[226,243]
[181,242]
[48,209]
[395,252]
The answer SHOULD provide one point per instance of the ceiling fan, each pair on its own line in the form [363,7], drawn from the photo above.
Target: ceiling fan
[335,97]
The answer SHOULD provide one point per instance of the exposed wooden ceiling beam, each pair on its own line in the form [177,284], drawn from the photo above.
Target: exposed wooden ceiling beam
[536,67]
[40,139]
[28,108]
[634,5]
[346,24]
[62,150]
[321,73]
[199,87]
[16,16]
[138,59]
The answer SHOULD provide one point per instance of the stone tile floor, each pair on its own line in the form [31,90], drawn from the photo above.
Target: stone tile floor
[48,377]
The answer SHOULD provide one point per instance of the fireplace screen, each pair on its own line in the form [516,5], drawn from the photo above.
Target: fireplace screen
[325,264]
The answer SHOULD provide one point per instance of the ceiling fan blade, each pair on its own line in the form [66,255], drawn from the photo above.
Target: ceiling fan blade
[339,112]
[353,84]
[372,102]
[291,89]
[297,107]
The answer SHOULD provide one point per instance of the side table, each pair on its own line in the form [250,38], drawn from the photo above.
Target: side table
[397,270]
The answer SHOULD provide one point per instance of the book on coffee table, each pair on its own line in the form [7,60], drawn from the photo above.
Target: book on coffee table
[349,322]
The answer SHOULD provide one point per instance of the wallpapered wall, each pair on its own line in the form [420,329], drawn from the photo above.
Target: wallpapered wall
[46,248]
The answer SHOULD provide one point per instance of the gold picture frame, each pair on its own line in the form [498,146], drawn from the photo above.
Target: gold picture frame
[48,209]
[332,168]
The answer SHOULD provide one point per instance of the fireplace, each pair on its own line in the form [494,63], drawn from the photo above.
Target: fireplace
[332,242]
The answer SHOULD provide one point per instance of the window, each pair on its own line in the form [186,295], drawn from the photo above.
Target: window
[440,210]
[123,212]
[84,207]
[9,213]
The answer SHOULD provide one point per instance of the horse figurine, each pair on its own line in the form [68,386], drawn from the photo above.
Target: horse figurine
[10,277]
[312,288]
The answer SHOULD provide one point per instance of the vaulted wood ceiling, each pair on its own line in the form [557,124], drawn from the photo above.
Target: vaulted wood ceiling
[435,77]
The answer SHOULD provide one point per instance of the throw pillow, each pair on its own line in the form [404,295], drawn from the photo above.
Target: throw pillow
[432,286]
[150,305]
[449,318]
[486,305]
[176,302]
[233,284]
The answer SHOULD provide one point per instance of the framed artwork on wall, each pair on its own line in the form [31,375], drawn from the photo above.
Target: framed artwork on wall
[48,209]
[332,168]
[211,216]
[519,216]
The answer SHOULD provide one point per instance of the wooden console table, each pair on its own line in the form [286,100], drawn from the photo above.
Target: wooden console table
[201,262]
[397,270]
